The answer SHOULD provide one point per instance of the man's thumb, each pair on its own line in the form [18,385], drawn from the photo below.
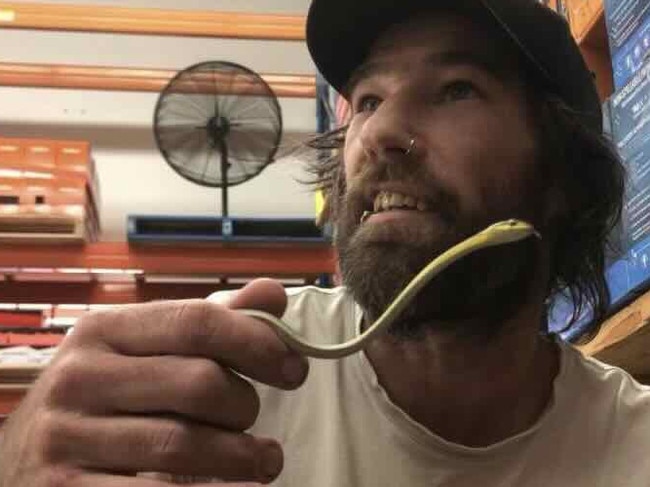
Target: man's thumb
[261,294]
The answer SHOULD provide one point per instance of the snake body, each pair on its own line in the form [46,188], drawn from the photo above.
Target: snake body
[497,234]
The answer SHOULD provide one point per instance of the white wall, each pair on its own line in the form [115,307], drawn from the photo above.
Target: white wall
[134,178]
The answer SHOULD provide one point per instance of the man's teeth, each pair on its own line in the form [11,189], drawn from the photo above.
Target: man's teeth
[386,200]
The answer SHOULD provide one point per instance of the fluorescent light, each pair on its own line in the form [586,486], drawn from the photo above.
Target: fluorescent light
[7,15]
[34,307]
[72,270]
[287,281]
[38,175]
[72,307]
[173,279]
[107,271]
[60,321]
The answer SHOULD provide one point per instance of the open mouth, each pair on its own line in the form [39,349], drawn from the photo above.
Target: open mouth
[389,200]
[392,200]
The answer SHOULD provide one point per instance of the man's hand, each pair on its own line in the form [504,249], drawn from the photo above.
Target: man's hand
[154,388]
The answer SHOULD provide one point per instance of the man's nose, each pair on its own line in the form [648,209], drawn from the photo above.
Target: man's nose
[388,131]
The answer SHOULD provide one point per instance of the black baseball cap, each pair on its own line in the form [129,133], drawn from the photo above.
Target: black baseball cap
[340,34]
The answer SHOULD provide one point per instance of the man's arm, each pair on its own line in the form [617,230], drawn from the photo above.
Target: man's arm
[155,387]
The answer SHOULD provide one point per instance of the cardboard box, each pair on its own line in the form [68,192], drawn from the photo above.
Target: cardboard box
[630,114]
[623,18]
[628,30]
[48,178]
[49,157]
[628,271]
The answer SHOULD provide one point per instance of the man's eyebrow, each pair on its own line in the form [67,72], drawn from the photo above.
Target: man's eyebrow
[481,60]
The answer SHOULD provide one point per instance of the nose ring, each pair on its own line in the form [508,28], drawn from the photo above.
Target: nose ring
[409,151]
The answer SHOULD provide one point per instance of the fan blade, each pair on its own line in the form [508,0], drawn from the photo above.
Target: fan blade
[259,142]
[173,113]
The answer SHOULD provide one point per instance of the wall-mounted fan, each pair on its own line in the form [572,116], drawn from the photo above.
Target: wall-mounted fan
[218,124]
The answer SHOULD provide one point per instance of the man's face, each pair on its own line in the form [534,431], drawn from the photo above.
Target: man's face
[438,81]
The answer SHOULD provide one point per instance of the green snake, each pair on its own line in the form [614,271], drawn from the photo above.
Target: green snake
[497,234]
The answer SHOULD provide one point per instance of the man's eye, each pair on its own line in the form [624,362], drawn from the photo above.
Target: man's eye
[368,104]
[458,90]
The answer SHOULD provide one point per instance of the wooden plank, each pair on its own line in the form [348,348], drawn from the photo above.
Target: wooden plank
[624,339]
[123,20]
[631,353]
[109,78]
[595,49]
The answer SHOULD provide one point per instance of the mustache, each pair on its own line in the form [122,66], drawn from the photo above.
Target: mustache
[385,172]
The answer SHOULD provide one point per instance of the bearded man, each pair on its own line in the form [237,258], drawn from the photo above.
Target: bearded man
[465,113]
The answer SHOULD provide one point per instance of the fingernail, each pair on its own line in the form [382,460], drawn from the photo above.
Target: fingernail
[293,370]
[272,461]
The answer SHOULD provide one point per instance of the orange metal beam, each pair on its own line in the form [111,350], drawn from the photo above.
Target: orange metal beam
[123,20]
[223,260]
[95,292]
[133,79]
[99,292]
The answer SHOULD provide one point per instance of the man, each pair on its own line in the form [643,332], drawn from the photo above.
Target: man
[464,113]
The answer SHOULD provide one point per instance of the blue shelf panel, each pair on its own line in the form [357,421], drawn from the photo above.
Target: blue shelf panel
[172,228]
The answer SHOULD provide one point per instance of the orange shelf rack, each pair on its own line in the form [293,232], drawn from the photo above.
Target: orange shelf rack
[224,259]
[117,272]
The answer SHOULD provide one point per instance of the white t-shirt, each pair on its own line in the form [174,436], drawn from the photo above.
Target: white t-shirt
[341,430]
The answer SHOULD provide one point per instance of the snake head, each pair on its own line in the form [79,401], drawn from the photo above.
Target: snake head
[510,231]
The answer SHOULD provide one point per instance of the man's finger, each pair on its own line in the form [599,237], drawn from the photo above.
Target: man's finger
[71,478]
[261,294]
[196,388]
[132,444]
[194,328]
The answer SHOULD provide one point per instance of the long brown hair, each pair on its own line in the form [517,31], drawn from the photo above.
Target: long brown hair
[589,173]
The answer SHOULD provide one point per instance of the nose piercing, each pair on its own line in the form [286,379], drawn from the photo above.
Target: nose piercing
[408,151]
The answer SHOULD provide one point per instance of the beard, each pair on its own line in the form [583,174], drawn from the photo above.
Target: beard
[474,296]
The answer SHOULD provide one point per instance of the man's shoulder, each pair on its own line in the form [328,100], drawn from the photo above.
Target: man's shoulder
[301,296]
[604,372]
[600,375]
[614,411]
[322,315]
[611,386]
[313,296]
